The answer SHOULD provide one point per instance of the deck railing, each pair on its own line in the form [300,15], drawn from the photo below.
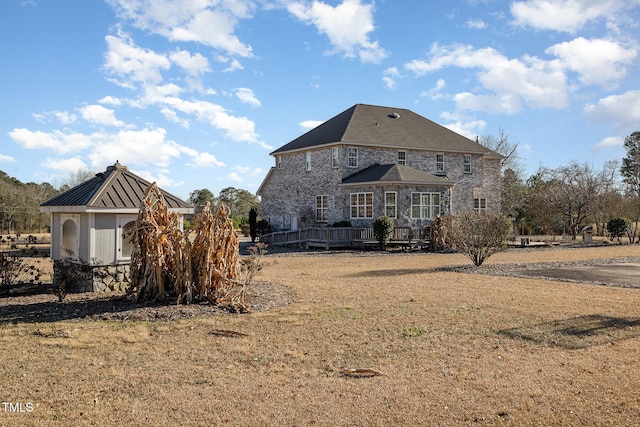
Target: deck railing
[343,237]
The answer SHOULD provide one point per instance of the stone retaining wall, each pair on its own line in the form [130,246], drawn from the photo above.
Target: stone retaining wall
[87,278]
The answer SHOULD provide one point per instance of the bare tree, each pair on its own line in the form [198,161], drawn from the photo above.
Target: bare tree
[570,192]
[75,178]
[507,147]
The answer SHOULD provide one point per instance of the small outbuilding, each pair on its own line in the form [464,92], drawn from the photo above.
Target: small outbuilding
[87,222]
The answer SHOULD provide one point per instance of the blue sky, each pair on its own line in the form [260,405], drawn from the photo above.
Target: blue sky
[194,94]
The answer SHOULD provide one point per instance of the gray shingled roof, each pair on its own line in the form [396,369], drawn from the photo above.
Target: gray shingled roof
[394,173]
[373,125]
[116,188]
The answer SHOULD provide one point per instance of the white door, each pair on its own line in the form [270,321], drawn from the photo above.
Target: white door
[294,222]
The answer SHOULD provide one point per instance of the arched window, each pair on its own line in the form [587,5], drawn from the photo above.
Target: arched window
[69,240]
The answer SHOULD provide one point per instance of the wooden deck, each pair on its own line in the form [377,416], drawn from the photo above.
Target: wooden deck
[346,237]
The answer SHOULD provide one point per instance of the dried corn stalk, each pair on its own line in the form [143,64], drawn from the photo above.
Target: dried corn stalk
[164,262]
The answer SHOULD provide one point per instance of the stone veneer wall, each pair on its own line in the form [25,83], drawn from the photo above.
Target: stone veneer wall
[292,189]
[102,278]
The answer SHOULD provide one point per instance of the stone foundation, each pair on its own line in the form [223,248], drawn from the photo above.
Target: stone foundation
[90,278]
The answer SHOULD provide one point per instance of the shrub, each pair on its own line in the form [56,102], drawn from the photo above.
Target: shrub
[618,227]
[382,229]
[479,236]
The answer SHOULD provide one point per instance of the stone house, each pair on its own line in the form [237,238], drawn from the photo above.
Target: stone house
[87,222]
[369,161]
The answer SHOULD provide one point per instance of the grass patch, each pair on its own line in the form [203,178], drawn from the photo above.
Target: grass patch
[349,351]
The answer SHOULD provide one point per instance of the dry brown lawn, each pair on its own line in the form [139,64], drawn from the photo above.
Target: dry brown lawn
[452,349]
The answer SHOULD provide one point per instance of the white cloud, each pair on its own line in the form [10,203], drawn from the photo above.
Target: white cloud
[307,125]
[63,117]
[566,15]
[471,129]
[100,115]
[597,61]
[233,66]
[347,26]
[247,171]
[511,82]
[173,117]
[57,141]
[194,65]
[6,159]
[492,104]
[160,178]
[205,160]
[435,92]
[232,176]
[390,76]
[130,64]
[139,147]
[476,24]
[110,100]
[64,165]
[211,23]
[247,96]
[608,143]
[623,111]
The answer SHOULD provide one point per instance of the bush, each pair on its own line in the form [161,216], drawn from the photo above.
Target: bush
[382,230]
[618,227]
[479,236]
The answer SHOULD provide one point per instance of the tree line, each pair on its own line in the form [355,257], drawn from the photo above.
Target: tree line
[20,202]
[558,200]
[565,199]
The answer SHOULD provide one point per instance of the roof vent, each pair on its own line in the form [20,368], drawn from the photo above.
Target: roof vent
[394,115]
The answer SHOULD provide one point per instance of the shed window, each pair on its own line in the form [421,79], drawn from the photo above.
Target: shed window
[69,245]
[124,246]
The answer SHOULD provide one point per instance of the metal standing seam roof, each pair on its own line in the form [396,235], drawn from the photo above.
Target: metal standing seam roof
[116,188]
[376,126]
[394,173]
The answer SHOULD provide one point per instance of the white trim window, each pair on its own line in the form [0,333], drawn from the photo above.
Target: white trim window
[467,163]
[335,158]
[480,205]
[440,163]
[278,162]
[402,158]
[307,161]
[322,208]
[390,204]
[425,205]
[361,205]
[353,157]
